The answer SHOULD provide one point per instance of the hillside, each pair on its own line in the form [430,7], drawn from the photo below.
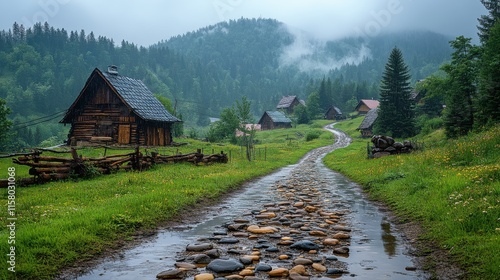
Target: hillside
[250,46]
[43,69]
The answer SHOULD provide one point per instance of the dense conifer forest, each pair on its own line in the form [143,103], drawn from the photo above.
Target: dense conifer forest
[202,72]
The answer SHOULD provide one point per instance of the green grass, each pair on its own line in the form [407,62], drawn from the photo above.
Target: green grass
[452,188]
[60,223]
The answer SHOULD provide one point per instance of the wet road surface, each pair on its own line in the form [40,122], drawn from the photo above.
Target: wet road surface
[373,249]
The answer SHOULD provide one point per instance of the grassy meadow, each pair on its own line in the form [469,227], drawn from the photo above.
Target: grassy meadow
[452,187]
[60,223]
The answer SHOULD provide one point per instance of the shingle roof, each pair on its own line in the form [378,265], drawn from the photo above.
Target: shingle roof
[278,117]
[369,103]
[139,98]
[369,119]
[336,110]
[286,102]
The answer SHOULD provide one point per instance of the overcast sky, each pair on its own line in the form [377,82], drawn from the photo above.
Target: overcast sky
[146,22]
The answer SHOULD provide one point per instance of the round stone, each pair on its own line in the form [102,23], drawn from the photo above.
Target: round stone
[302,261]
[228,240]
[263,267]
[199,247]
[341,235]
[319,267]
[171,274]
[225,265]
[247,272]
[296,276]
[300,269]
[278,272]
[201,258]
[185,266]
[330,242]
[305,245]
[283,257]
[341,250]
[204,276]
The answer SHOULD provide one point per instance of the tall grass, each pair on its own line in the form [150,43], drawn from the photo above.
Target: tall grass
[452,188]
[61,223]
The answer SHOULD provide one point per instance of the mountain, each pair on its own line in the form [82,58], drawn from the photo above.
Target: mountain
[42,69]
[249,46]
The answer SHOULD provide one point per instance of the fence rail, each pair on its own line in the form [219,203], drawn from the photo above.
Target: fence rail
[51,168]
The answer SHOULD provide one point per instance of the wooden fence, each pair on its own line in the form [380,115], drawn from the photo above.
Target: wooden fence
[51,168]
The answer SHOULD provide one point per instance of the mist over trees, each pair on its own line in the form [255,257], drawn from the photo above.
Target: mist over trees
[43,69]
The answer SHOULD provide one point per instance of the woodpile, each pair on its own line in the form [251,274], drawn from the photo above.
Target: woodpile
[51,168]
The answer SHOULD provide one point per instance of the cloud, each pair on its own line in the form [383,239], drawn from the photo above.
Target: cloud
[309,53]
[149,21]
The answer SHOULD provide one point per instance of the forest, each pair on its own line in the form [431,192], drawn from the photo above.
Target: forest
[43,69]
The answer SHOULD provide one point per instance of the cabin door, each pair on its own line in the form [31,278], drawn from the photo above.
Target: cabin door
[124,134]
[161,136]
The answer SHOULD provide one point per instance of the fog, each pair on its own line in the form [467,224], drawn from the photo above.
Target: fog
[150,21]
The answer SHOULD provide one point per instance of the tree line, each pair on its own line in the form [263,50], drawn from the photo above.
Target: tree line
[470,87]
[43,69]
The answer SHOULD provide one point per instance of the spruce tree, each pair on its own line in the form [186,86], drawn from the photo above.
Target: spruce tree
[396,115]
[5,123]
[486,22]
[488,100]
[461,88]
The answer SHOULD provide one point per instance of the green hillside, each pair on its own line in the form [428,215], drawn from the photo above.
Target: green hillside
[43,69]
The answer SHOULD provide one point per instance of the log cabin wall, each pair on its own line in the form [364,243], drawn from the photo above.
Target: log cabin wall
[103,117]
[114,109]
[267,123]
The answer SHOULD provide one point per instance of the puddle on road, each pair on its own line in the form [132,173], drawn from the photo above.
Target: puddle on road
[377,251]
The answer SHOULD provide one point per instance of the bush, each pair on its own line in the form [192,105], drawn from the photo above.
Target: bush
[312,135]
[427,125]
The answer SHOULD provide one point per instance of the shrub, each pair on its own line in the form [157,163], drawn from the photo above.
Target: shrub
[312,135]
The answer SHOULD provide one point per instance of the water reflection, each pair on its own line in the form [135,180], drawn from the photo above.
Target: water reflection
[376,251]
[389,240]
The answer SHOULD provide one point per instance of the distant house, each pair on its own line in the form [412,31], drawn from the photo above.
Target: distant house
[114,109]
[366,105]
[287,103]
[248,127]
[333,113]
[366,126]
[273,120]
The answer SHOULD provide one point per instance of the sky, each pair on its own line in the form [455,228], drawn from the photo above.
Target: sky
[147,22]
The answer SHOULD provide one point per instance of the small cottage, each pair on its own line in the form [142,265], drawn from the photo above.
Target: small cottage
[366,126]
[114,109]
[273,120]
[366,105]
[334,113]
[288,103]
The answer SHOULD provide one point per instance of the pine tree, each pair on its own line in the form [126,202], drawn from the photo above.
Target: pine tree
[461,87]
[324,95]
[5,123]
[396,115]
[486,22]
[488,100]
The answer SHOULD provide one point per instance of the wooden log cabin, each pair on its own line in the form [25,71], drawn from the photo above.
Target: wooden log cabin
[274,120]
[117,110]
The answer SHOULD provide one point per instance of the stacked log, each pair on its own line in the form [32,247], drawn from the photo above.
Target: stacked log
[385,145]
[52,168]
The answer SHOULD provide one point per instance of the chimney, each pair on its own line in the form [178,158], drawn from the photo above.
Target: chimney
[113,69]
